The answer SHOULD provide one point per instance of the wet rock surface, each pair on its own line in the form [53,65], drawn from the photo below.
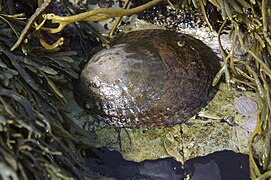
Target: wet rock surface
[217,127]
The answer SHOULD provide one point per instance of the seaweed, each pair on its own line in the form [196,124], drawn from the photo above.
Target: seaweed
[37,140]
[92,15]
[250,34]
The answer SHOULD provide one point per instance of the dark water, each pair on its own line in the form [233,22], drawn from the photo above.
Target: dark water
[224,165]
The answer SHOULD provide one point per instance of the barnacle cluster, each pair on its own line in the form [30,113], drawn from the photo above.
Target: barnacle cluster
[31,120]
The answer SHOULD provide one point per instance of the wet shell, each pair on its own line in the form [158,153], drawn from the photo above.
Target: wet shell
[148,78]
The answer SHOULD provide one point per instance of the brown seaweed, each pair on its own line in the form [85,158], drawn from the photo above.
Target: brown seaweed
[32,122]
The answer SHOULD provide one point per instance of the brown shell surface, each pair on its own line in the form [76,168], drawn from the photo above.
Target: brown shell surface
[148,78]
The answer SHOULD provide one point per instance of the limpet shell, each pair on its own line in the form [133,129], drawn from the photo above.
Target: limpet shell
[148,78]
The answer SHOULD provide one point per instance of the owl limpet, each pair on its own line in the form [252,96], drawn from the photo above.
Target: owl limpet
[148,78]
